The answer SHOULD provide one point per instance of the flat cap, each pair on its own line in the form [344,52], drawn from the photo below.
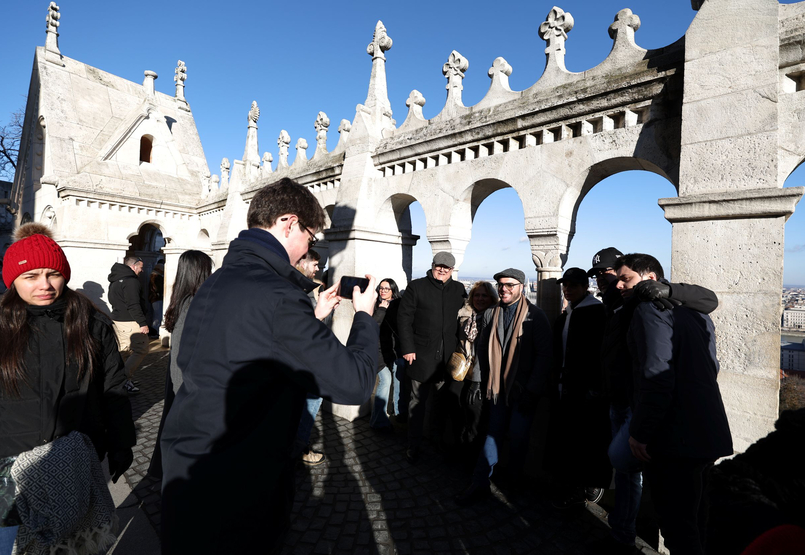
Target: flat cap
[513,273]
[444,258]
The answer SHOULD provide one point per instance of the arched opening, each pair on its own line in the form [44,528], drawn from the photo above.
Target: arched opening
[792,336]
[203,242]
[147,245]
[146,147]
[498,237]
[394,224]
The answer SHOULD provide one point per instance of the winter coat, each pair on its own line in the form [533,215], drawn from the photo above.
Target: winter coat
[427,324]
[678,409]
[252,349]
[176,341]
[467,347]
[579,434]
[378,316]
[124,295]
[390,345]
[616,361]
[535,357]
[53,402]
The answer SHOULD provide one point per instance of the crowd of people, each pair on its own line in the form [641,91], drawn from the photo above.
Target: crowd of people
[630,380]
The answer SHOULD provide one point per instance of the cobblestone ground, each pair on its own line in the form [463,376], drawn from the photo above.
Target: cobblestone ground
[366,498]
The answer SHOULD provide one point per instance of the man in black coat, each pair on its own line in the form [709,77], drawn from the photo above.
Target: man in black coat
[679,426]
[251,349]
[128,315]
[617,382]
[427,323]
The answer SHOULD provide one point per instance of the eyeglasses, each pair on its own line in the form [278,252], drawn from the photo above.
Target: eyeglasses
[442,268]
[384,288]
[311,242]
[508,286]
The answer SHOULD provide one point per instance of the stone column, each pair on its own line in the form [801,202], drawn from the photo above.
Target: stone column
[549,253]
[728,222]
[171,256]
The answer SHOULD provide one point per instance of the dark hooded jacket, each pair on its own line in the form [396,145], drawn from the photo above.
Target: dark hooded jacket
[53,401]
[427,323]
[252,349]
[124,295]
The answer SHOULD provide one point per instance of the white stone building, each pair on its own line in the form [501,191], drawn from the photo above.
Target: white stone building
[794,317]
[113,166]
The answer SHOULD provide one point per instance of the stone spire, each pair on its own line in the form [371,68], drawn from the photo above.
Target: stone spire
[378,98]
[148,81]
[52,39]
[554,31]
[251,154]
[321,125]
[283,142]
[225,173]
[180,78]
[301,153]
[454,71]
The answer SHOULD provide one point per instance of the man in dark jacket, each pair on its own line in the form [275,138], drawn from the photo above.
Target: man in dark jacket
[579,432]
[128,315]
[515,362]
[679,426]
[427,322]
[252,348]
[616,363]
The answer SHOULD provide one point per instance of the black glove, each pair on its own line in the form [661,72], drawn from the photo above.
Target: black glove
[472,395]
[650,290]
[119,462]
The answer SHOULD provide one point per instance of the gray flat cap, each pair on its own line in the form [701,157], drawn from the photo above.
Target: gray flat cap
[444,258]
[513,273]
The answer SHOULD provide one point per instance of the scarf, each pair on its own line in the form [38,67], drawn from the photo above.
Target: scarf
[496,369]
[471,327]
[63,503]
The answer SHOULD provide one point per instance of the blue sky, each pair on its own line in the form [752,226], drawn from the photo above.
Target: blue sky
[297,58]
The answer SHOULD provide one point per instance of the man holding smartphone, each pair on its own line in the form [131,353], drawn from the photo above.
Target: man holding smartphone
[427,323]
[252,348]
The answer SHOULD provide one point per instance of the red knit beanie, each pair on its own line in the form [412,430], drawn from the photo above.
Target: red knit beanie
[33,248]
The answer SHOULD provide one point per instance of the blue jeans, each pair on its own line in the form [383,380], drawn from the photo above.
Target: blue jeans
[7,536]
[312,405]
[628,478]
[380,408]
[502,420]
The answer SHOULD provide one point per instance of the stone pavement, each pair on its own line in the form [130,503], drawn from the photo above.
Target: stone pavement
[366,498]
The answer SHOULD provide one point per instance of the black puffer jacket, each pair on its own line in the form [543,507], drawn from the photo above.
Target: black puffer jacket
[54,402]
[428,324]
[124,295]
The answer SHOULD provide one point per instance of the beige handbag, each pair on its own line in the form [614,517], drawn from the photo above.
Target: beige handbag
[459,366]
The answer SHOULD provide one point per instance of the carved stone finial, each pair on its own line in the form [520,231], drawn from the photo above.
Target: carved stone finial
[179,78]
[267,159]
[345,126]
[148,81]
[225,172]
[52,20]
[454,70]
[554,31]
[380,42]
[343,134]
[301,152]
[283,142]
[321,125]
[500,72]
[254,114]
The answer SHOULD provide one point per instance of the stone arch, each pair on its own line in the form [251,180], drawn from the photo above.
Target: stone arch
[203,241]
[393,220]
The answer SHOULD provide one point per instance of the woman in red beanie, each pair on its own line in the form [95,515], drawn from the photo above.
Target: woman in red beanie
[60,373]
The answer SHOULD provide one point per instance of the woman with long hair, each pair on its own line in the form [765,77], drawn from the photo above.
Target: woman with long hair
[193,269]
[62,405]
[387,293]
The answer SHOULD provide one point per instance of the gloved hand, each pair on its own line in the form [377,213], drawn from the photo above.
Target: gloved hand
[657,292]
[473,394]
[119,462]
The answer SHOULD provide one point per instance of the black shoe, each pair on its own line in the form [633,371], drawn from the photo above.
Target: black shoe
[594,495]
[609,546]
[570,500]
[472,495]
[412,455]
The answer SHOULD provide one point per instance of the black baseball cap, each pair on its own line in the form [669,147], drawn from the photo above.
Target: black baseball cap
[604,259]
[574,275]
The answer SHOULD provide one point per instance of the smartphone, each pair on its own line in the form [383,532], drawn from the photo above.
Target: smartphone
[348,282]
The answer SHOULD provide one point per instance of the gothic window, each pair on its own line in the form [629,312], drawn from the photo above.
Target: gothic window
[146,145]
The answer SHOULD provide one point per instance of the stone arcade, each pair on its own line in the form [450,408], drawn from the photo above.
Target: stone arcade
[111,165]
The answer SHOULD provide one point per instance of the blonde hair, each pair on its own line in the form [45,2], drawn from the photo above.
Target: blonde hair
[490,290]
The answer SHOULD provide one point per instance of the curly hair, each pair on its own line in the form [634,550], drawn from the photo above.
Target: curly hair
[285,197]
